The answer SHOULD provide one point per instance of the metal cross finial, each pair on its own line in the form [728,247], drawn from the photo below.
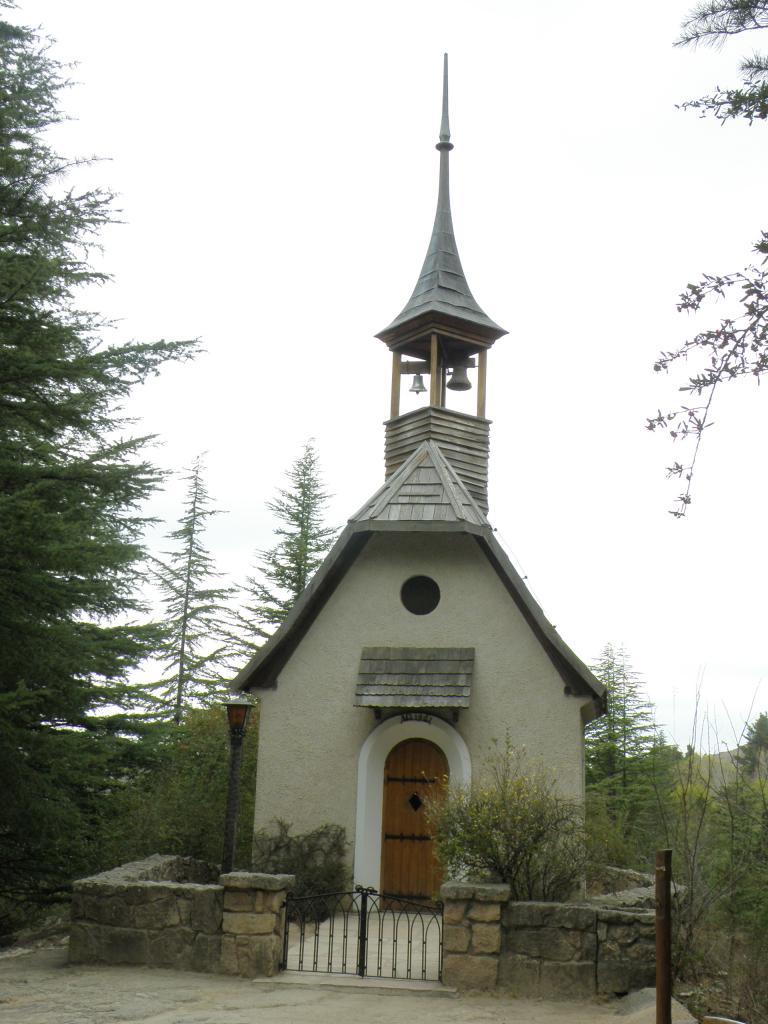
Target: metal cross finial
[445,130]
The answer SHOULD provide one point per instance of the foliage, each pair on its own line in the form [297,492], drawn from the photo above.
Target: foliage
[511,826]
[737,347]
[72,482]
[753,752]
[287,568]
[711,23]
[616,741]
[318,858]
[176,802]
[626,763]
[715,819]
[193,649]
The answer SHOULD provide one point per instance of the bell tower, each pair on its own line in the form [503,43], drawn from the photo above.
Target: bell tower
[442,332]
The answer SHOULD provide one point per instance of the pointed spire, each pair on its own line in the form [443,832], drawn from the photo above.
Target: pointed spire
[445,128]
[442,286]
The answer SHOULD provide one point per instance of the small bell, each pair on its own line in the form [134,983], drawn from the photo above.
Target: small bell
[418,385]
[459,380]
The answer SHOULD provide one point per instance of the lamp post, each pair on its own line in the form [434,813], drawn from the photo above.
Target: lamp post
[237,716]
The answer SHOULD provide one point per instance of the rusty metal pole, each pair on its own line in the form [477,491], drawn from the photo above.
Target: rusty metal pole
[663,937]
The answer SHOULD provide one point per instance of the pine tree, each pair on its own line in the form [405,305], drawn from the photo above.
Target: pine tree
[72,483]
[194,647]
[616,740]
[287,568]
[629,768]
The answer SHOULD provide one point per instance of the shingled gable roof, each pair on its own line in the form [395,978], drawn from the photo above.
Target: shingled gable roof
[377,516]
[425,489]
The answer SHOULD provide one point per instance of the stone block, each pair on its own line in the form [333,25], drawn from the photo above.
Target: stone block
[487,893]
[206,915]
[110,910]
[90,907]
[206,953]
[241,900]
[248,924]
[486,938]
[456,938]
[468,973]
[228,959]
[171,947]
[520,975]
[184,907]
[484,912]
[553,915]
[84,943]
[157,913]
[456,891]
[124,946]
[626,917]
[270,901]
[261,957]
[255,880]
[567,981]
[549,943]
[251,956]
[453,911]
[631,946]
[618,978]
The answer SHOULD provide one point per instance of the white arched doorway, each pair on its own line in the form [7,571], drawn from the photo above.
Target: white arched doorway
[370,781]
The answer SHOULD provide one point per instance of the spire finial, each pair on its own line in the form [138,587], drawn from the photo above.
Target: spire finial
[445,129]
[441,291]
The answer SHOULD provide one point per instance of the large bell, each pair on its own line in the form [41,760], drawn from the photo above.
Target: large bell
[459,380]
[418,385]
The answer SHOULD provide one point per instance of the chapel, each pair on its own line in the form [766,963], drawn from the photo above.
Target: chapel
[416,645]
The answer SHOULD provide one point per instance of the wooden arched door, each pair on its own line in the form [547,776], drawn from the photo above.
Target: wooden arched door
[414,769]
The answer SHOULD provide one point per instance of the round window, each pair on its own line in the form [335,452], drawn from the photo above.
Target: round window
[420,595]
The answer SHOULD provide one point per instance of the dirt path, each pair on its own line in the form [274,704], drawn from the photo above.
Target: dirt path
[37,987]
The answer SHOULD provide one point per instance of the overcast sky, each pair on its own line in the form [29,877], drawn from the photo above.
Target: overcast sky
[277,178]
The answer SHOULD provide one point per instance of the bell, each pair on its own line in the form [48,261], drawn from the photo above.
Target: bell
[418,385]
[459,380]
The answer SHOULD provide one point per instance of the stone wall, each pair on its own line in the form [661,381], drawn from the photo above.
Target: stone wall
[558,949]
[253,923]
[543,949]
[472,934]
[177,912]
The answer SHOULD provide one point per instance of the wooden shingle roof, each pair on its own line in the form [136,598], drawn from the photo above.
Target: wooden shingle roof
[415,677]
[424,489]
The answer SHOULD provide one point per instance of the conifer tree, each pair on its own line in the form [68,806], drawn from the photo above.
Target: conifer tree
[617,740]
[194,647]
[286,569]
[72,483]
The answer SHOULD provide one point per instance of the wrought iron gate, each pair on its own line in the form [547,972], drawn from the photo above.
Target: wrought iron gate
[363,932]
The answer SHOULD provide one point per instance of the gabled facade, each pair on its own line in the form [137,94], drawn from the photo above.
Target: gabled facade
[417,644]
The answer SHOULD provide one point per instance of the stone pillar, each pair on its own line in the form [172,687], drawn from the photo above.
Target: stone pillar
[472,933]
[253,923]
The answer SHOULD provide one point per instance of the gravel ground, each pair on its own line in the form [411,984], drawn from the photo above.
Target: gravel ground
[38,987]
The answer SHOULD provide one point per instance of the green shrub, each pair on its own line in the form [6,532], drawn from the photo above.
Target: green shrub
[511,826]
[317,858]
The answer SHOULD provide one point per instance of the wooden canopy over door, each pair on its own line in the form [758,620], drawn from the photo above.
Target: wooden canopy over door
[413,770]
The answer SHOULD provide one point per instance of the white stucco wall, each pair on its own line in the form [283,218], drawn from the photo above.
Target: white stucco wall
[311,734]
